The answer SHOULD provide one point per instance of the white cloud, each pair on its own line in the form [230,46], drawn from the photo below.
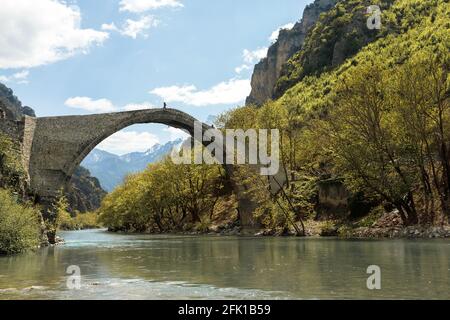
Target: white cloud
[124,142]
[133,28]
[176,134]
[18,77]
[39,32]
[137,6]
[229,92]
[109,27]
[138,106]
[252,57]
[242,68]
[276,33]
[88,104]
[104,105]
[21,75]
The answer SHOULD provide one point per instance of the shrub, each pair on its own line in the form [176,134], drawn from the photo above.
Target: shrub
[80,221]
[11,171]
[86,221]
[19,225]
[65,221]
[329,229]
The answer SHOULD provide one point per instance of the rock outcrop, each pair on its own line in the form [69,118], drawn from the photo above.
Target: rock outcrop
[84,193]
[337,35]
[11,106]
[268,71]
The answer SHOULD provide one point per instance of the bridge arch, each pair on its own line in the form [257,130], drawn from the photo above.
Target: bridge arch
[58,145]
[61,143]
[173,118]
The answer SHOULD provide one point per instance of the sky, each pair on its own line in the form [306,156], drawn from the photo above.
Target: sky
[79,57]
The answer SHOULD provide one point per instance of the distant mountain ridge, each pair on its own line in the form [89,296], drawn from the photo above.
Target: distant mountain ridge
[111,169]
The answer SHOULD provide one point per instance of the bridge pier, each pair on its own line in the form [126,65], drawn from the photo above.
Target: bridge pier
[49,215]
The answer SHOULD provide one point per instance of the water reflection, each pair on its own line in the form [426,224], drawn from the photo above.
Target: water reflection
[169,267]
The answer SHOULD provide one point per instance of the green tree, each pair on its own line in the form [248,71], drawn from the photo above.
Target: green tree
[19,225]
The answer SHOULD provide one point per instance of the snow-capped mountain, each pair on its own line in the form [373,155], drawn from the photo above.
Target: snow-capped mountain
[111,169]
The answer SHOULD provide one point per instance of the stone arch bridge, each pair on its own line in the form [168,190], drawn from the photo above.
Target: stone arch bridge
[53,147]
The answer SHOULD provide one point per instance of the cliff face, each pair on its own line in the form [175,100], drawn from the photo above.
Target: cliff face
[85,193]
[268,71]
[11,107]
[336,36]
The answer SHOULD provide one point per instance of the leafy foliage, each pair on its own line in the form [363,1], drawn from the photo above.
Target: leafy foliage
[165,197]
[376,117]
[19,225]
[12,174]
[379,121]
[80,221]
[341,33]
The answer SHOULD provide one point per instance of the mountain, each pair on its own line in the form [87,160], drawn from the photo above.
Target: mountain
[11,106]
[338,34]
[289,42]
[111,169]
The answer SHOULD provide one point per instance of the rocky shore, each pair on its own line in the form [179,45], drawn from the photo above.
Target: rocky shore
[405,233]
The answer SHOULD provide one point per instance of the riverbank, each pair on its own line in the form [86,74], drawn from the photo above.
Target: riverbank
[325,229]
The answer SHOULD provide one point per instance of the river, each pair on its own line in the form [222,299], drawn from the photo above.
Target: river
[117,266]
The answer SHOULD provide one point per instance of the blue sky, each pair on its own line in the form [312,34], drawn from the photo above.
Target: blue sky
[91,56]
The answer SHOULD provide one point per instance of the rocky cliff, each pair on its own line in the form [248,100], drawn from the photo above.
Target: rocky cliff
[268,71]
[337,35]
[10,105]
[85,193]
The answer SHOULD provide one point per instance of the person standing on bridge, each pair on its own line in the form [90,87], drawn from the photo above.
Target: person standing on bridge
[165,106]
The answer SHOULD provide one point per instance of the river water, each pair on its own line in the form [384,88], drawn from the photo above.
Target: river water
[115,266]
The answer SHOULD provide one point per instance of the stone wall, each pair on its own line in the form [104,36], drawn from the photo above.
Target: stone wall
[29,126]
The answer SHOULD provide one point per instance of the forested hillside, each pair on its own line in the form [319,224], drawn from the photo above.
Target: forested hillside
[364,110]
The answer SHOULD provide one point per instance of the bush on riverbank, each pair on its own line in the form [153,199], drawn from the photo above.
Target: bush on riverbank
[76,221]
[80,221]
[19,225]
